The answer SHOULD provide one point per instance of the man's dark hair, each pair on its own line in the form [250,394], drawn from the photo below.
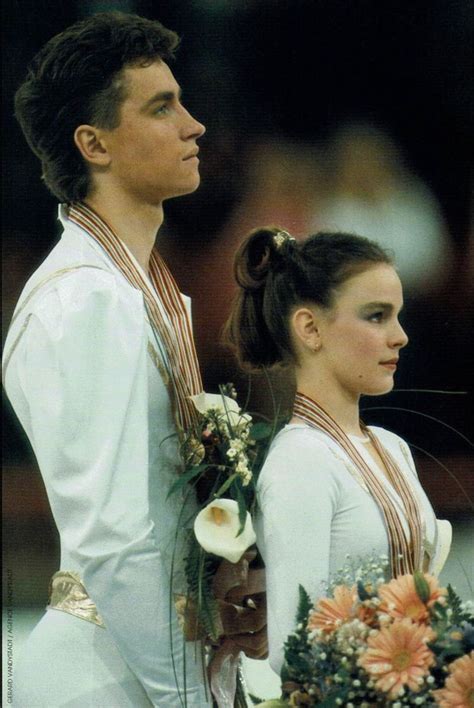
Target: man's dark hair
[75,79]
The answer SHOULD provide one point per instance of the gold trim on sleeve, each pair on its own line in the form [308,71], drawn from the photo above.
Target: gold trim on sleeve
[68,594]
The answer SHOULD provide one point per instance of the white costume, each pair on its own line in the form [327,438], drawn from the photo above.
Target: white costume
[314,509]
[82,370]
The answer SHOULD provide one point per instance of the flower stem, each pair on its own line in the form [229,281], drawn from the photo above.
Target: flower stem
[226,485]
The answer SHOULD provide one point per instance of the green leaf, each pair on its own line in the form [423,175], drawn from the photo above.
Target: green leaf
[304,606]
[455,603]
[185,478]
[421,586]
[260,431]
[362,592]
[242,506]
[330,701]
[200,568]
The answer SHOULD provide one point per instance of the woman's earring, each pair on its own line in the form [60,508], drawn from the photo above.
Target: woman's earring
[317,347]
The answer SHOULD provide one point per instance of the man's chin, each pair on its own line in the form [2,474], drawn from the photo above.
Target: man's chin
[185,189]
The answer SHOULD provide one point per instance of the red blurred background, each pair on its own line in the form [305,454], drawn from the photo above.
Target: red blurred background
[349,114]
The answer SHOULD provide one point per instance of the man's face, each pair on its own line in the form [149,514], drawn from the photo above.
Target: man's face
[153,150]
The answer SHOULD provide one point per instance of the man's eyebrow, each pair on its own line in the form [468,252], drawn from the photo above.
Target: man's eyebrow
[163,96]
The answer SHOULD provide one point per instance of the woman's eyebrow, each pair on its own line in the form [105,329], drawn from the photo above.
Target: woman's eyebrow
[379,305]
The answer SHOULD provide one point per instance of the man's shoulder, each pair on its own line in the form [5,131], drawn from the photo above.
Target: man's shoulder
[71,254]
[74,268]
[74,278]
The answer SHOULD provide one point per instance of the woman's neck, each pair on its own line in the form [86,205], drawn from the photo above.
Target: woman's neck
[339,403]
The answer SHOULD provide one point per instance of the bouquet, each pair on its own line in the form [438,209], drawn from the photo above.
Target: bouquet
[223,454]
[374,642]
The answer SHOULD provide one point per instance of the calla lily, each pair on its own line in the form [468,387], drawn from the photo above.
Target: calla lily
[216,528]
[226,407]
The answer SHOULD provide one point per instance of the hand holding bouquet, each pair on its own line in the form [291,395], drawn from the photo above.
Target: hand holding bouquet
[225,601]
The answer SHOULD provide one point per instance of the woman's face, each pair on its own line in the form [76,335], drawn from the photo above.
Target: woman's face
[361,336]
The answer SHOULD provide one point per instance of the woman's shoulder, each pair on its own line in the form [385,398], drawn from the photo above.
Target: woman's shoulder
[302,437]
[299,450]
[299,437]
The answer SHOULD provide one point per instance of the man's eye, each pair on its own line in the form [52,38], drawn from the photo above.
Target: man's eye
[161,110]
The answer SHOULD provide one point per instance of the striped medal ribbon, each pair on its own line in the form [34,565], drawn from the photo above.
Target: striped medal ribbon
[176,335]
[405,556]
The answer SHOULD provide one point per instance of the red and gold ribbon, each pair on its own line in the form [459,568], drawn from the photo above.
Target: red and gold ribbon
[405,553]
[176,333]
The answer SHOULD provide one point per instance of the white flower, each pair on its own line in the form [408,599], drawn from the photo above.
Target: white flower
[225,407]
[216,528]
[236,447]
[243,470]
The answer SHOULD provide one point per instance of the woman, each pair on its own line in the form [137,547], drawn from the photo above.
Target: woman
[328,309]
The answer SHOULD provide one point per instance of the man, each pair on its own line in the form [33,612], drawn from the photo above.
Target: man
[99,364]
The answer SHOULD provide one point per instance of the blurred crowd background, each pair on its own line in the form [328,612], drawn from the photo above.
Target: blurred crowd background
[321,115]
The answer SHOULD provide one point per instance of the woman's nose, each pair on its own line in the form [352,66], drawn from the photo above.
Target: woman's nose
[400,337]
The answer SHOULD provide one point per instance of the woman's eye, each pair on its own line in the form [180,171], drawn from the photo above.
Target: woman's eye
[376,317]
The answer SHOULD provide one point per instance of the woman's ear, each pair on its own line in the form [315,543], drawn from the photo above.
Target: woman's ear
[306,328]
[90,143]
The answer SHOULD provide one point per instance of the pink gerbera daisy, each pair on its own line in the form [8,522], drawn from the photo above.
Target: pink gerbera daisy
[400,598]
[458,691]
[397,656]
[330,613]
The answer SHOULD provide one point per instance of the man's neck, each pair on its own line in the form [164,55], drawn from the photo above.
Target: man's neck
[136,224]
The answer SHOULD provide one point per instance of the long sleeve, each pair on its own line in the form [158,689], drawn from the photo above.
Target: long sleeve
[297,496]
[82,369]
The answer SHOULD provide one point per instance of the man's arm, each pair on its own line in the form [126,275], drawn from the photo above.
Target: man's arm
[82,363]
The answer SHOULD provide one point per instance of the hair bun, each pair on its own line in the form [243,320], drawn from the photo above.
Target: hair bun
[258,253]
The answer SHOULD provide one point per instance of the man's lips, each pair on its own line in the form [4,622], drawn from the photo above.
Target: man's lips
[192,154]
[390,363]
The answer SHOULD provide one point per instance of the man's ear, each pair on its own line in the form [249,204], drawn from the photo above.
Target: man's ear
[306,327]
[91,145]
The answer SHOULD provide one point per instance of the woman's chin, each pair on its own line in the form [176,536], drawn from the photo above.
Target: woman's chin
[379,389]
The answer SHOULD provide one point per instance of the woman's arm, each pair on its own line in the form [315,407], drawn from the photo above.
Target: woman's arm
[298,496]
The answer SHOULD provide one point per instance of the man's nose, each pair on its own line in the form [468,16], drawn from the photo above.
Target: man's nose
[193,128]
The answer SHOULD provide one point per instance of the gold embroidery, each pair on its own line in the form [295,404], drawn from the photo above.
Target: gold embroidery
[68,594]
[407,458]
[155,357]
[352,469]
[8,356]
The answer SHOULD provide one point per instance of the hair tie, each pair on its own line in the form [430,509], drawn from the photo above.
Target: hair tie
[282,237]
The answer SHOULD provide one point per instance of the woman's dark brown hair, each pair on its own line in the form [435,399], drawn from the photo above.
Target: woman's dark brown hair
[275,274]
[76,79]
